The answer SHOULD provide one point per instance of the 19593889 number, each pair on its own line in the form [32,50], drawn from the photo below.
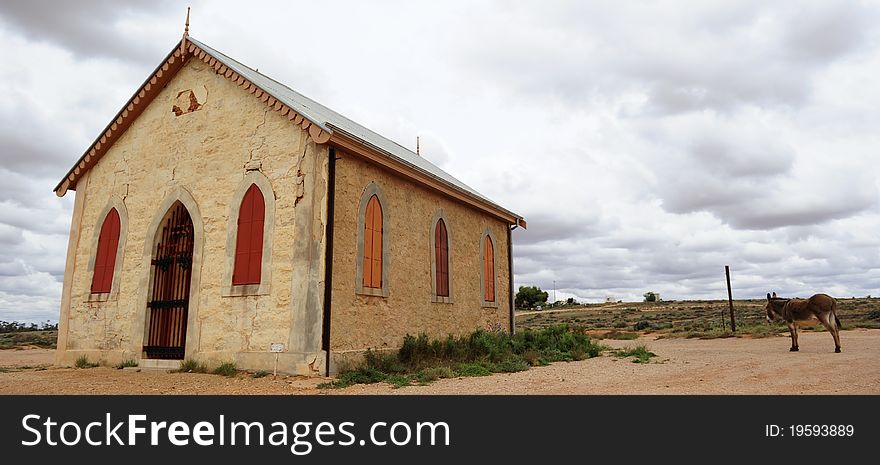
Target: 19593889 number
[821,430]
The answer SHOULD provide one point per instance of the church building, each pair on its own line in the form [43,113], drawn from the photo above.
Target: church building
[223,216]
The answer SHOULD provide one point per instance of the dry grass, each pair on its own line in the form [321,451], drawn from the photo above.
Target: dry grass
[25,339]
[704,319]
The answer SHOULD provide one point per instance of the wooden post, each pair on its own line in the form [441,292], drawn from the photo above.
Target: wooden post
[730,299]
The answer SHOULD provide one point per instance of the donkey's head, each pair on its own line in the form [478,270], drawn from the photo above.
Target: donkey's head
[774,307]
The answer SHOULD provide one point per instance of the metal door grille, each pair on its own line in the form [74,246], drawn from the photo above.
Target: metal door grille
[169,301]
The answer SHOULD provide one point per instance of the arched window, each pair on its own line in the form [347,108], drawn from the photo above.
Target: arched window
[372,256]
[105,259]
[372,270]
[488,269]
[249,239]
[441,259]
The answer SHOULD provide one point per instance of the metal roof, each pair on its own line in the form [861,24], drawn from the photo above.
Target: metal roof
[331,121]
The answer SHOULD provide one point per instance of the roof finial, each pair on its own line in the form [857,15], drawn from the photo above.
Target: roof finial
[417,146]
[186,26]
[185,33]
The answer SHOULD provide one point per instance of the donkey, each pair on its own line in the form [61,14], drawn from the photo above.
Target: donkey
[820,307]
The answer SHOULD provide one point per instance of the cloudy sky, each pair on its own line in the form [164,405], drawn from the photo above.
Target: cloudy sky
[648,144]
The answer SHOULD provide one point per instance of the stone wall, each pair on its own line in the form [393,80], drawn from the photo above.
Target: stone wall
[200,141]
[204,154]
[361,321]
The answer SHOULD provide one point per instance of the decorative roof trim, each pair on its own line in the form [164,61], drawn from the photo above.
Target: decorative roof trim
[129,112]
[151,87]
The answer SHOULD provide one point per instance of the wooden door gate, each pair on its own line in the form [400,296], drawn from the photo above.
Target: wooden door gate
[169,299]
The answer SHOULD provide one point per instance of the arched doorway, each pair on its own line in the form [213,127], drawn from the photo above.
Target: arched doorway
[171,272]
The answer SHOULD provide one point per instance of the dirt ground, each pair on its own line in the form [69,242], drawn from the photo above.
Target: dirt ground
[682,366]
[27,357]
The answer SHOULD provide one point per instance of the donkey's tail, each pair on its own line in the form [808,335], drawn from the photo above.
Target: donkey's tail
[834,312]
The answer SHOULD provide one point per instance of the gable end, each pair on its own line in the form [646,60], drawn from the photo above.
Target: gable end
[148,91]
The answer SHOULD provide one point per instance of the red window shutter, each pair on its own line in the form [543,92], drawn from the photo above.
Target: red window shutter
[489,269]
[249,239]
[105,258]
[372,270]
[441,259]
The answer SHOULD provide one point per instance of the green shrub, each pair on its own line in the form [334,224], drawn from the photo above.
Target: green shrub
[434,373]
[383,361]
[444,372]
[472,369]
[226,369]
[83,362]
[416,350]
[398,381]
[426,376]
[512,365]
[532,357]
[363,375]
[477,354]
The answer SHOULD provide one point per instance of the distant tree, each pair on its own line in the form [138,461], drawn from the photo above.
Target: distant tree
[530,296]
[14,326]
[571,301]
[652,297]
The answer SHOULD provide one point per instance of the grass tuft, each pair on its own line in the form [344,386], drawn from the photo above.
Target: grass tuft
[432,374]
[226,369]
[83,362]
[192,365]
[640,352]
[127,363]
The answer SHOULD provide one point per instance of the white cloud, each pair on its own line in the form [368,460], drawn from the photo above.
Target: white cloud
[647,144]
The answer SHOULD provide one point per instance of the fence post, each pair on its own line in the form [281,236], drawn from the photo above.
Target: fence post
[730,299]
